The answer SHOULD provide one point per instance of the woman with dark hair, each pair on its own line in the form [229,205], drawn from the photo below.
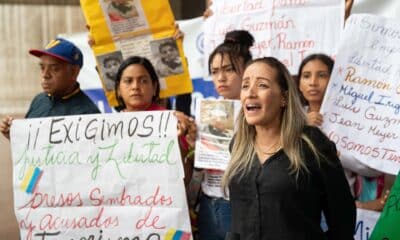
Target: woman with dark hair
[226,64]
[283,173]
[371,190]
[313,77]
[137,88]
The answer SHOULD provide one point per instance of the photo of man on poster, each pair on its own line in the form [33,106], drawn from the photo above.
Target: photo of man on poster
[168,60]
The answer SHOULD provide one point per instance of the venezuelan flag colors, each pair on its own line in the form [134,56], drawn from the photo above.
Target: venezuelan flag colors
[31,179]
[173,234]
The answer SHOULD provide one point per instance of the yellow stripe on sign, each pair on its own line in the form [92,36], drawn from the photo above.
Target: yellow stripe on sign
[170,234]
[27,178]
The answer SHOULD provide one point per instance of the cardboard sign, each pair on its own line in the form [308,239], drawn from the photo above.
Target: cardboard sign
[143,28]
[387,227]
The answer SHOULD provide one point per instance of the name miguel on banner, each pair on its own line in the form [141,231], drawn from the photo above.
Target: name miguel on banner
[362,106]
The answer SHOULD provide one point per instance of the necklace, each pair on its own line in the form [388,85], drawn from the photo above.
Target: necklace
[271,150]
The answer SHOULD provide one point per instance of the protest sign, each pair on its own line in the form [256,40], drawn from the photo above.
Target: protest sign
[145,28]
[216,119]
[366,221]
[114,176]
[387,227]
[362,105]
[287,30]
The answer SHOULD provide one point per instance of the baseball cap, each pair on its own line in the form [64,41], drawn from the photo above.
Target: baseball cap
[61,49]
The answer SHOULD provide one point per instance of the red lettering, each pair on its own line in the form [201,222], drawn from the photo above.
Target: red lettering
[145,222]
[52,222]
[39,199]
[96,201]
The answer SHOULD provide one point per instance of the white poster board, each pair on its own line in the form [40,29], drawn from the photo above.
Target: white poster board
[366,221]
[112,176]
[287,30]
[362,103]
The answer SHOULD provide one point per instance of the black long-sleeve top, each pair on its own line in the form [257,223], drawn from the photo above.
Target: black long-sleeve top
[269,203]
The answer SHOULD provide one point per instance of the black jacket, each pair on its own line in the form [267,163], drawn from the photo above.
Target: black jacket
[46,106]
[269,203]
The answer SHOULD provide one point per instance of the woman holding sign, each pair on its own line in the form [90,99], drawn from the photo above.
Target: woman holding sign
[314,74]
[137,88]
[283,173]
[226,64]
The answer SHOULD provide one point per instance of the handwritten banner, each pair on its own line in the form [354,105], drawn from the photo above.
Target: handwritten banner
[366,221]
[362,103]
[137,27]
[114,176]
[215,119]
[287,30]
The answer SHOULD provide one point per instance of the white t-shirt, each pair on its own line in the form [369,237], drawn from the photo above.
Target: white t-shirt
[211,184]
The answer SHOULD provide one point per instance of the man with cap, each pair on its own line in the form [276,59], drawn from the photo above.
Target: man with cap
[60,63]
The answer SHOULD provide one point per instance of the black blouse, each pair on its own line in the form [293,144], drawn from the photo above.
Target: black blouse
[270,203]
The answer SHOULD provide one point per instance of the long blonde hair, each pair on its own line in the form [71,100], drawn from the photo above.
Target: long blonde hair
[293,120]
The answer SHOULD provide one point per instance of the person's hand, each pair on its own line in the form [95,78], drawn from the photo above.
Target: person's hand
[178,34]
[348,6]
[192,133]
[208,12]
[314,119]
[90,39]
[384,197]
[5,125]
[375,205]
[186,127]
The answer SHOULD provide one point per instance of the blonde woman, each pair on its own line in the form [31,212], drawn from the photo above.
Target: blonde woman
[283,173]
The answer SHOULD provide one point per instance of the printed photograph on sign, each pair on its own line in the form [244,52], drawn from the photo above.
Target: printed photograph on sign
[109,64]
[168,62]
[119,10]
[216,124]
[215,120]
[124,15]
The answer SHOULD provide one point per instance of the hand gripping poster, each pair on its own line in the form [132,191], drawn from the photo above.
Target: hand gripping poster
[124,28]
[114,176]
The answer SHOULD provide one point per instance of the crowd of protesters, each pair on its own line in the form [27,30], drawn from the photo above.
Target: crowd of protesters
[285,179]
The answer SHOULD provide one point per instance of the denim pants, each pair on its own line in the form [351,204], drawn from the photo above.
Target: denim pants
[214,218]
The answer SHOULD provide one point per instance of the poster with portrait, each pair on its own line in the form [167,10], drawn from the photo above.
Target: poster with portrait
[215,121]
[110,176]
[142,28]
